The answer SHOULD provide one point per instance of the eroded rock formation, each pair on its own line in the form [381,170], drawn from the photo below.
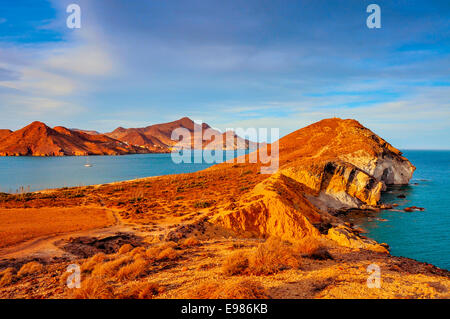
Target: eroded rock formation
[328,166]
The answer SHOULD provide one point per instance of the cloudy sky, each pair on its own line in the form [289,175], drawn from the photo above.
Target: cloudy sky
[252,63]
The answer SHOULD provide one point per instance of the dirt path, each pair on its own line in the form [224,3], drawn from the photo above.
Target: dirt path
[44,247]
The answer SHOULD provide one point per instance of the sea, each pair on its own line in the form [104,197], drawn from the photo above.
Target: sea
[421,235]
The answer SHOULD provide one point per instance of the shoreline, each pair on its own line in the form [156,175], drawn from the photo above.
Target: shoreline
[341,215]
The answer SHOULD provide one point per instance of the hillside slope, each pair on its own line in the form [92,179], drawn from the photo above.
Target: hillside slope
[4,133]
[37,139]
[158,137]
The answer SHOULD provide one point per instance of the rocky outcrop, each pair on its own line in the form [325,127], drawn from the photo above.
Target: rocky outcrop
[343,163]
[328,166]
[279,207]
[275,207]
[336,185]
[345,236]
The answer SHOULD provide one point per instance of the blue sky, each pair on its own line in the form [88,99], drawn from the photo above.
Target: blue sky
[252,63]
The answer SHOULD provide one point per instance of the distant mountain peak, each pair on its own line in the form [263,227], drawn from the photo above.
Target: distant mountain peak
[36,124]
[37,139]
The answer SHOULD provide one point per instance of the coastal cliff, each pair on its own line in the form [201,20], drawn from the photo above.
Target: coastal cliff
[329,166]
[344,164]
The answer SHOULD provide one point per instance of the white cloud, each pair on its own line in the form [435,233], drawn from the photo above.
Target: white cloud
[35,81]
[86,61]
[49,79]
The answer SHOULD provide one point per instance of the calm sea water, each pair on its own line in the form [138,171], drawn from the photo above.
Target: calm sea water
[38,173]
[423,236]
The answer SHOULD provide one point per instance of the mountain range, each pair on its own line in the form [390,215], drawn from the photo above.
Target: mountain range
[38,139]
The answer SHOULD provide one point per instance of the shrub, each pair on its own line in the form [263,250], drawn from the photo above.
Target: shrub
[236,263]
[139,290]
[131,271]
[229,290]
[110,268]
[167,254]
[271,257]
[307,245]
[6,276]
[152,252]
[138,251]
[125,249]
[32,267]
[246,172]
[90,263]
[190,242]
[202,204]
[268,258]
[93,288]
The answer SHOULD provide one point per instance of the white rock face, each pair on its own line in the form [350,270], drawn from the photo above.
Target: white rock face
[359,184]
[340,200]
[389,169]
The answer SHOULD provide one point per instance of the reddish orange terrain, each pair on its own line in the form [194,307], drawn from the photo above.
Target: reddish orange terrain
[225,232]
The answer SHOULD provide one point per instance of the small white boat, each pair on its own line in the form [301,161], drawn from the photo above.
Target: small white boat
[87,163]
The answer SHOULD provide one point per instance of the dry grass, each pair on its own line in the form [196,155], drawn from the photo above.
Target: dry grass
[138,251]
[109,272]
[167,254]
[268,258]
[272,257]
[307,246]
[133,270]
[244,289]
[139,290]
[125,249]
[89,264]
[110,268]
[93,288]
[30,268]
[99,288]
[129,263]
[18,225]
[235,264]
[190,242]
[6,276]
[162,252]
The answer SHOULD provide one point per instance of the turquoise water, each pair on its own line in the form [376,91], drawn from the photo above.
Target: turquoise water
[424,236]
[419,235]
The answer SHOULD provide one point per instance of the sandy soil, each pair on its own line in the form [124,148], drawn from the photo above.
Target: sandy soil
[20,225]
